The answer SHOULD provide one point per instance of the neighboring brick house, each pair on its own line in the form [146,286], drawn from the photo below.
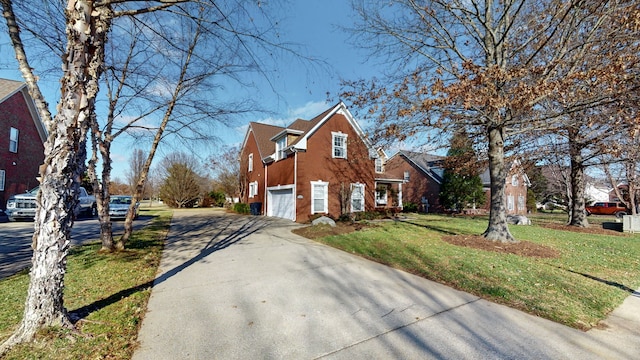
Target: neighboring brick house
[22,137]
[422,175]
[421,178]
[515,191]
[320,166]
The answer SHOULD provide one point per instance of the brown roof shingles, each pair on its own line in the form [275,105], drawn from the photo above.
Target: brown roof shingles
[263,133]
[8,87]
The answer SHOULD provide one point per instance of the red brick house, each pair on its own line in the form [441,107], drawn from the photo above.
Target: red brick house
[422,175]
[22,137]
[516,185]
[420,178]
[320,166]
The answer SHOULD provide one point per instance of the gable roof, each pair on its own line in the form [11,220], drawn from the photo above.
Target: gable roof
[428,164]
[265,134]
[8,88]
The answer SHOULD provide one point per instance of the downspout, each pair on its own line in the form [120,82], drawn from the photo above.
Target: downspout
[295,185]
[400,196]
[264,201]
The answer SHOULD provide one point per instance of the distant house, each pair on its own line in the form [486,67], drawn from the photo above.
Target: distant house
[22,137]
[516,185]
[322,166]
[422,176]
[419,176]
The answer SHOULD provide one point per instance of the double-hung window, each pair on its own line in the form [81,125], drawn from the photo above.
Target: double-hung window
[281,144]
[253,189]
[339,145]
[379,167]
[514,180]
[357,197]
[319,197]
[13,140]
[510,203]
[250,162]
[521,203]
[1,180]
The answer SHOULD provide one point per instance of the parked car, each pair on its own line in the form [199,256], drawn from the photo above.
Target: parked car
[23,206]
[608,208]
[119,206]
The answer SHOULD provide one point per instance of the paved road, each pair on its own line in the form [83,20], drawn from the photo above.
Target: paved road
[15,240]
[233,287]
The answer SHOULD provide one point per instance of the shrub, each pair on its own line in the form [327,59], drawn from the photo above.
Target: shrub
[409,207]
[241,208]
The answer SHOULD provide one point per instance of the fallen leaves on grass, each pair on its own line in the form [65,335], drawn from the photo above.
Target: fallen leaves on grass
[522,248]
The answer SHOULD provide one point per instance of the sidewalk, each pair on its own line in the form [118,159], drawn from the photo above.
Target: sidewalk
[234,287]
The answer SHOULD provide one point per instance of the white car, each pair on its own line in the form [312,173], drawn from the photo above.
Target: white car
[119,205]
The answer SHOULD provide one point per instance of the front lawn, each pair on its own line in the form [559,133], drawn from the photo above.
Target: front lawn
[106,293]
[574,278]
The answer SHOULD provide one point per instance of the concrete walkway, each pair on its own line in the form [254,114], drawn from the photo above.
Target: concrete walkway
[239,287]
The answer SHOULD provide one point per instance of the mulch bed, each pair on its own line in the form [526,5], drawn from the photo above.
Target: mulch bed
[318,231]
[522,248]
[593,229]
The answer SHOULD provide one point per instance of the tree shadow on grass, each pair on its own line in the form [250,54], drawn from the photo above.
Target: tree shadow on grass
[222,239]
[607,282]
[431,227]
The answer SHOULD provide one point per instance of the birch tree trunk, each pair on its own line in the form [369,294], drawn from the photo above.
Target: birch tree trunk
[87,28]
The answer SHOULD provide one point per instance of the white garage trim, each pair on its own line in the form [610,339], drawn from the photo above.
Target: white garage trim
[281,202]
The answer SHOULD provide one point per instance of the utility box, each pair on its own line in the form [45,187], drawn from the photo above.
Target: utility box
[631,223]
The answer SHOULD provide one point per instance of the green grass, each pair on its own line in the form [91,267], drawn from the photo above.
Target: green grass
[592,276]
[108,291]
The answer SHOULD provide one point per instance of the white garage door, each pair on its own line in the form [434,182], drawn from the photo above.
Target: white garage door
[281,204]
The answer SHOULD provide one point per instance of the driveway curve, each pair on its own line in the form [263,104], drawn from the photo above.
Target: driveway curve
[245,287]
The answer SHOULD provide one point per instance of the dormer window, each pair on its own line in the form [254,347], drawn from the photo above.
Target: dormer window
[281,144]
[339,148]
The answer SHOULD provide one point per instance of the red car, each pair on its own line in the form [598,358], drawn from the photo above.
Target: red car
[608,208]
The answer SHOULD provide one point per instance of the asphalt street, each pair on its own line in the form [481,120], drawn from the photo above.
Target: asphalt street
[15,240]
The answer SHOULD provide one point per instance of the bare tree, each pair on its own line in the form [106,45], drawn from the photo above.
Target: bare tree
[226,170]
[136,164]
[488,66]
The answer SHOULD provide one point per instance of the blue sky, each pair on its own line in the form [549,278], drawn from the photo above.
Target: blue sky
[301,89]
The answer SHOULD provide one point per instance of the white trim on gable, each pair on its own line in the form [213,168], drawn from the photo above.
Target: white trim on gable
[340,108]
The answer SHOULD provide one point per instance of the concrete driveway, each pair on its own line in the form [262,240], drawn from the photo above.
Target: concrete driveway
[240,287]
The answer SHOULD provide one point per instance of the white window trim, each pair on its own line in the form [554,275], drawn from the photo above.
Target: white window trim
[380,201]
[354,186]
[510,203]
[379,166]
[281,144]
[334,136]
[514,180]
[522,203]
[251,162]
[406,176]
[325,195]
[13,140]
[2,174]
[253,189]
